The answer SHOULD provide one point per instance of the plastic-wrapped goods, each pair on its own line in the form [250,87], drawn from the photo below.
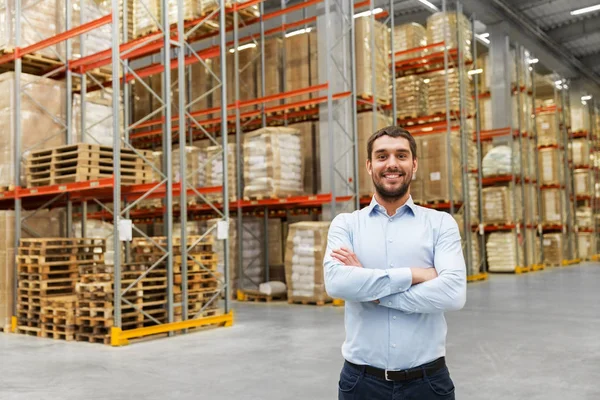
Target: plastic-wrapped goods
[305,249]
[310,131]
[501,250]
[140,15]
[214,171]
[364,130]
[584,217]
[584,245]
[498,204]
[498,162]
[581,152]
[548,165]
[364,59]
[580,117]
[273,162]
[98,117]
[85,11]
[39,129]
[96,229]
[431,180]
[547,129]
[485,108]
[195,171]
[301,64]
[445,27]
[553,248]
[524,112]
[473,198]
[551,206]
[582,179]
[409,36]
[475,267]
[38,22]
[411,96]
[437,91]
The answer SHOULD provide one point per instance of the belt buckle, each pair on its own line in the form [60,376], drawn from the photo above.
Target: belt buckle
[386,376]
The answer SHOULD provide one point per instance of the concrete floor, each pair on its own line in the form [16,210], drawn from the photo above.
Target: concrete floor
[528,337]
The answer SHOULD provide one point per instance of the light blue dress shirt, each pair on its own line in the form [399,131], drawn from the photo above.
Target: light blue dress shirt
[407,328]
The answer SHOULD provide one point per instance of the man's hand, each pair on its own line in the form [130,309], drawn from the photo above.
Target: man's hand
[346,257]
[420,275]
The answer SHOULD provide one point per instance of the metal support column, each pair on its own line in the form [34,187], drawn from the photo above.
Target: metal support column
[264,124]
[448,116]
[238,150]
[519,59]
[393,58]
[538,177]
[69,106]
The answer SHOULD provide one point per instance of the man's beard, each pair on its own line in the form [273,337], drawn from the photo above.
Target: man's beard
[391,195]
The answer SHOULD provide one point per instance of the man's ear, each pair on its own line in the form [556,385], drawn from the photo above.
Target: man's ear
[369,167]
[415,165]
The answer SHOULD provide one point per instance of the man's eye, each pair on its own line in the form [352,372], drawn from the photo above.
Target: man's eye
[381,157]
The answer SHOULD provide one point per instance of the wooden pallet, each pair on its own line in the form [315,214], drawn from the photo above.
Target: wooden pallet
[256,296]
[29,331]
[9,188]
[307,301]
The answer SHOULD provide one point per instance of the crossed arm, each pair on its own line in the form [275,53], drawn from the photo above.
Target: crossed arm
[411,290]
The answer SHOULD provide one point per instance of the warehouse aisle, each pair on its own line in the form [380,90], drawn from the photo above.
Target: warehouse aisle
[528,337]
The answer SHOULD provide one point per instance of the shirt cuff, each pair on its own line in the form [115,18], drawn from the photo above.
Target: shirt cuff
[400,279]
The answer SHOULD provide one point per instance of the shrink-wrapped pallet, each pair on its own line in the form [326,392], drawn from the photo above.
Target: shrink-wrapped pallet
[194,166]
[39,129]
[501,250]
[582,182]
[38,22]
[547,129]
[437,92]
[364,130]
[548,166]
[409,36]
[365,54]
[140,15]
[446,27]
[585,245]
[580,118]
[214,171]
[501,161]
[553,248]
[584,217]
[581,152]
[273,162]
[411,96]
[305,249]
[551,206]
[98,119]
[498,204]
[85,11]
[310,155]
[301,64]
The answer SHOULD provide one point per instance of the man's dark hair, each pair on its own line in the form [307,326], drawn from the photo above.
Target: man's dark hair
[393,131]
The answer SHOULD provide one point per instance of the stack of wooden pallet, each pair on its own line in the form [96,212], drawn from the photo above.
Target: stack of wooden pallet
[48,268]
[58,317]
[84,162]
[202,275]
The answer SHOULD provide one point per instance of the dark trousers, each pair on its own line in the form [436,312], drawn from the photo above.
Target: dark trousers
[356,384]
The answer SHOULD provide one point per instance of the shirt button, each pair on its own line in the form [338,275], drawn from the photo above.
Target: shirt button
[392,264]
[390,240]
[389,303]
[394,317]
[390,220]
[394,345]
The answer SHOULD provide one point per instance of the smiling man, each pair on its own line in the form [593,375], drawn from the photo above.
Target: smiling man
[399,267]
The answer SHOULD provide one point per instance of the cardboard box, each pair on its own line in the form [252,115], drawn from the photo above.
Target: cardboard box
[581,152]
[364,59]
[551,206]
[553,248]
[549,166]
[409,36]
[445,27]
[411,96]
[582,180]
[214,171]
[301,64]
[547,129]
[434,167]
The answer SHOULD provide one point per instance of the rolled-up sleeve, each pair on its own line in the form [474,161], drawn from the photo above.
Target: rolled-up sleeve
[353,283]
[448,291]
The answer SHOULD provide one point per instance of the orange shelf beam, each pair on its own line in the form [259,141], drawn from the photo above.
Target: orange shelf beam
[415,50]
[425,60]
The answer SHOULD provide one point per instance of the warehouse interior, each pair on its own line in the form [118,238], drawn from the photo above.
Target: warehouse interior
[169,171]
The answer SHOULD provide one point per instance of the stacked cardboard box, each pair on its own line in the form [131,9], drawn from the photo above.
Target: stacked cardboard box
[273,163]
[446,27]
[500,160]
[580,117]
[582,178]
[409,36]
[502,248]
[437,92]
[498,204]
[584,217]
[195,166]
[433,174]
[98,115]
[364,59]
[553,248]
[305,250]
[411,96]
[364,130]
[585,245]
[273,70]
[551,206]
[547,129]
[40,92]
[549,166]
[581,152]
[301,64]
[310,137]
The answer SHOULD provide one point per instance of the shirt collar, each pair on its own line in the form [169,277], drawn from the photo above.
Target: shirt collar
[374,205]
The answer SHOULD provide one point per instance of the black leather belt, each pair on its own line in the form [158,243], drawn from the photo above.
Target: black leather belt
[405,374]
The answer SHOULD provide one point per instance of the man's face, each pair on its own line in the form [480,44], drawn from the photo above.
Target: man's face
[391,167]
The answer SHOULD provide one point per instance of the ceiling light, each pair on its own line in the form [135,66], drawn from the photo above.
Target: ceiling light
[484,35]
[586,10]
[298,32]
[475,71]
[428,4]
[584,98]
[584,102]
[244,47]
[533,61]
[558,82]
[368,12]
[531,68]
[484,39]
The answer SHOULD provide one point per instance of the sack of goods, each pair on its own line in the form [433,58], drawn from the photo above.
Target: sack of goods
[273,163]
[551,206]
[409,36]
[501,250]
[584,217]
[498,161]
[548,165]
[411,96]
[305,250]
[214,171]
[437,91]
[498,204]
[553,248]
